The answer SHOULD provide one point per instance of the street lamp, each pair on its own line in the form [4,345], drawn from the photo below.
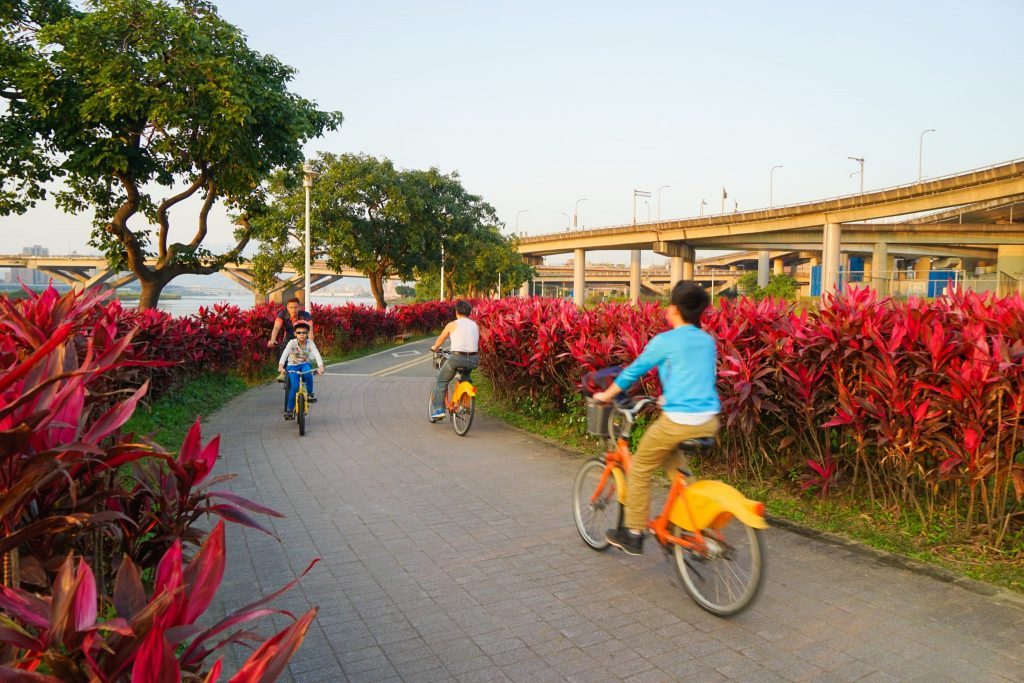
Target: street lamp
[771,186]
[703,203]
[859,160]
[663,187]
[920,149]
[638,193]
[520,211]
[568,221]
[648,205]
[575,211]
[442,268]
[307,183]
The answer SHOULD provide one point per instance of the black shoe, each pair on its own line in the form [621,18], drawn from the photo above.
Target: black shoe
[289,415]
[630,543]
[312,398]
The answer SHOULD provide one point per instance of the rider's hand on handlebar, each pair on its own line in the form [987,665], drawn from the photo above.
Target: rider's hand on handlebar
[603,397]
[319,371]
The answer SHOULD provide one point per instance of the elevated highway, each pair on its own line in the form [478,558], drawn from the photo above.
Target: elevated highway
[969,216]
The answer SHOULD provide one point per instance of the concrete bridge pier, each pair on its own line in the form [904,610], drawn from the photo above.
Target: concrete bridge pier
[881,273]
[778,267]
[634,276]
[830,258]
[682,258]
[579,277]
[763,265]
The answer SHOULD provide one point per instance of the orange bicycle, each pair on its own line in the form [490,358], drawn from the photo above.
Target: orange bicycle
[460,401]
[708,529]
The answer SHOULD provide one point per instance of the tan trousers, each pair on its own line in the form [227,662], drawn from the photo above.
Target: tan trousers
[657,448]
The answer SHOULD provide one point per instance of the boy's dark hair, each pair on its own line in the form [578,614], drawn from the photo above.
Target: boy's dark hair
[691,300]
[301,325]
[463,307]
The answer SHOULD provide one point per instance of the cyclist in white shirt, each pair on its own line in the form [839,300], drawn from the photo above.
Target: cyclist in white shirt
[465,347]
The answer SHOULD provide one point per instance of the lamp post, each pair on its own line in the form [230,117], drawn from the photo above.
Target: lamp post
[638,193]
[920,152]
[568,221]
[576,211]
[771,186]
[859,160]
[520,211]
[663,187]
[307,182]
[703,203]
[442,268]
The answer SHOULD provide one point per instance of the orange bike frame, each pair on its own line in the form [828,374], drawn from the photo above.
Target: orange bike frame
[623,459]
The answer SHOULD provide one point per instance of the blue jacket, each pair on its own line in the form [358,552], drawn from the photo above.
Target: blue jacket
[685,358]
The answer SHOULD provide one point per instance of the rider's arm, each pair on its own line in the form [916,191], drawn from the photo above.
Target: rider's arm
[314,354]
[445,333]
[652,355]
[273,335]
[284,355]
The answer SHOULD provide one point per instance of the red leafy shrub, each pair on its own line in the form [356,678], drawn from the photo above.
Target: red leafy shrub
[920,402]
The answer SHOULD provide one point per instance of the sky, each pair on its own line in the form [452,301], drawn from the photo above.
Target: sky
[540,104]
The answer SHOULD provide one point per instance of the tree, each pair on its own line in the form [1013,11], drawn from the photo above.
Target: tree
[780,286]
[474,264]
[137,106]
[366,214]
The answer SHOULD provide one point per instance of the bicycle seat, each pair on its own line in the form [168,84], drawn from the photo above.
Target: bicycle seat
[697,445]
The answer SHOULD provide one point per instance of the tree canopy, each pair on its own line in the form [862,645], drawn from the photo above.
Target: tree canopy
[136,106]
[366,214]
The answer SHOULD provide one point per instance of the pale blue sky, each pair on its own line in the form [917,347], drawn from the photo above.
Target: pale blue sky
[538,104]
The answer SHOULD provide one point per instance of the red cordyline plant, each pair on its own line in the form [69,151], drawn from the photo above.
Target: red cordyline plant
[153,637]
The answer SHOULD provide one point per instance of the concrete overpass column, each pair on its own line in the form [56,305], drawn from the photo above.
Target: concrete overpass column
[922,267]
[677,270]
[778,267]
[880,271]
[634,276]
[524,290]
[688,268]
[763,265]
[579,277]
[830,258]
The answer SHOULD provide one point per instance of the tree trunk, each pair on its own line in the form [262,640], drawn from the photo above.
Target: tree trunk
[377,288]
[151,289]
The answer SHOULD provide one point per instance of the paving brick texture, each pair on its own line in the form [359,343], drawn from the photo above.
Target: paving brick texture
[445,558]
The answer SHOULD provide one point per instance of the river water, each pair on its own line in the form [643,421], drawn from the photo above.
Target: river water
[189,304]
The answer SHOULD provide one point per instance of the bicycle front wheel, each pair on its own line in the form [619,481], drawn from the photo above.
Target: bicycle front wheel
[462,414]
[595,506]
[300,413]
[726,577]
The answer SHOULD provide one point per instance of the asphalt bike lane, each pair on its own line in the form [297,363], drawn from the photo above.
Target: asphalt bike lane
[456,558]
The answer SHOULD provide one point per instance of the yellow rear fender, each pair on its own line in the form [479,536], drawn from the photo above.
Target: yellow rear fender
[463,388]
[620,484]
[712,504]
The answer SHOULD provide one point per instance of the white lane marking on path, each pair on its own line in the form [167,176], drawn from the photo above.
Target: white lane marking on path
[400,367]
[403,354]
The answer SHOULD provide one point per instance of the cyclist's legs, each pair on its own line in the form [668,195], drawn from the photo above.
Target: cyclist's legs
[444,376]
[293,384]
[656,447]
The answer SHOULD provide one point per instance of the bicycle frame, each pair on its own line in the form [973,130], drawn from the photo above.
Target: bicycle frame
[705,504]
[301,389]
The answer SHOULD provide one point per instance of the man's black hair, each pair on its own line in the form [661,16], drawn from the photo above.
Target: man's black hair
[691,300]
[463,307]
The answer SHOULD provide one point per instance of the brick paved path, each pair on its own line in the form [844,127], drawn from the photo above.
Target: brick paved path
[448,558]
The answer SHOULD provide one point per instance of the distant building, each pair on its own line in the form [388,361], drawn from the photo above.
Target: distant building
[31,276]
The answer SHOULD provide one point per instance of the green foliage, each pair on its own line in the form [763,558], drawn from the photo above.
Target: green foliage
[779,286]
[384,221]
[138,105]
[405,291]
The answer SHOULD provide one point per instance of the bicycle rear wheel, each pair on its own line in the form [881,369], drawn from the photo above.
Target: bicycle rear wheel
[300,413]
[462,414]
[726,578]
[595,514]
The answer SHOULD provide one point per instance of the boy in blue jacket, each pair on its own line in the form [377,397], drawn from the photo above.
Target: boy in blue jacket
[685,357]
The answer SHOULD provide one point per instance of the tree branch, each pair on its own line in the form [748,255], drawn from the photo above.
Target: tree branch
[219,262]
[11,95]
[118,227]
[204,213]
[161,212]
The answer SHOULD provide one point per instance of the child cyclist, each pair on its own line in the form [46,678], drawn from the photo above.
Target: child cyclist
[685,358]
[297,355]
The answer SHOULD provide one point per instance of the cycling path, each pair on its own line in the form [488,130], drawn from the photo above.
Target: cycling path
[450,558]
